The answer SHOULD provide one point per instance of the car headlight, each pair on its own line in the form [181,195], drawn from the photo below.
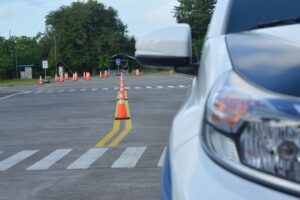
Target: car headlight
[254,132]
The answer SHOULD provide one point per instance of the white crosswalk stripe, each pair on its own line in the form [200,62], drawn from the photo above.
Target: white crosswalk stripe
[129,157]
[15,159]
[94,89]
[72,90]
[49,160]
[162,158]
[87,159]
[106,89]
[49,91]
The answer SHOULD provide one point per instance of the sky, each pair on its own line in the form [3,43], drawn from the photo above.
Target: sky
[27,17]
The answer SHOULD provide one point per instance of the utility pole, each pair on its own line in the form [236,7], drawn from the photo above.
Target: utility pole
[55,55]
[15,52]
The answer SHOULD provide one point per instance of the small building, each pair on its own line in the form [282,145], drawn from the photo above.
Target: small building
[24,71]
[127,62]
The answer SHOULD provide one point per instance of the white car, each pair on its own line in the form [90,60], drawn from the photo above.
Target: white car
[238,134]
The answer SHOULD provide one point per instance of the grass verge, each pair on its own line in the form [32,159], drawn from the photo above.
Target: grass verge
[18,82]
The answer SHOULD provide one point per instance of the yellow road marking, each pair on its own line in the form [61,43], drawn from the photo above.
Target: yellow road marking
[114,130]
[128,128]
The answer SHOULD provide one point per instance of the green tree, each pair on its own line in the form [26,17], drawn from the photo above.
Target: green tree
[7,67]
[197,14]
[84,31]
[104,62]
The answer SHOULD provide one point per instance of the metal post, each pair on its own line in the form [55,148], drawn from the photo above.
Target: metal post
[16,66]
[55,55]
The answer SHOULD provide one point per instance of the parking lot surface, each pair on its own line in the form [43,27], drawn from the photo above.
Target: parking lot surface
[49,136]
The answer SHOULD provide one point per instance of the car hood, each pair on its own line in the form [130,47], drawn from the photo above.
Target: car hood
[269,58]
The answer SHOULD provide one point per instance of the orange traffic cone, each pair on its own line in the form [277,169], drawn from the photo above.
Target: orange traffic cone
[66,77]
[56,79]
[61,78]
[84,75]
[100,74]
[88,76]
[41,81]
[105,74]
[75,76]
[137,72]
[122,112]
[122,94]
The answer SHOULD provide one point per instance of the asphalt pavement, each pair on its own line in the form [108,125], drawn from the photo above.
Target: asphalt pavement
[48,136]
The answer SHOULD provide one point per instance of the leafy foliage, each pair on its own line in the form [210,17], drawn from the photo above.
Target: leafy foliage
[86,30]
[197,14]
[85,34]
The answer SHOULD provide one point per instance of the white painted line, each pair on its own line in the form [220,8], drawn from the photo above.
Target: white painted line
[137,87]
[39,91]
[127,88]
[129,157]
[159,87]
[87,159]
[15,159]
[49,160]
[171,86]
[182,86]
[49,91]
[72,90]
[162,158]
[148,87]
[6,97]
[27,92]
[62,90]
[94,89]
[82,90]
[104,89]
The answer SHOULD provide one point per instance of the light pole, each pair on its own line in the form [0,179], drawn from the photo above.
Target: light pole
[55,55]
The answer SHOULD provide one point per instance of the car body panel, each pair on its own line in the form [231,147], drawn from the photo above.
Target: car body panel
[194,174]
[270,62]
[219,19]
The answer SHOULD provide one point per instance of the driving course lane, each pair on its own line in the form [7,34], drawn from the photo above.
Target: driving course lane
[47,139]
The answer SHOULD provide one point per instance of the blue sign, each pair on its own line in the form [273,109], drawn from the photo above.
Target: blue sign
[118,61]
